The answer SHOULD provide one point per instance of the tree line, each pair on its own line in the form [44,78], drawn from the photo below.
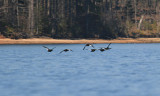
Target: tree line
[71,19]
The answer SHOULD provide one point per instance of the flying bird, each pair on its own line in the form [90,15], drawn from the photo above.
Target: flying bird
[49,50]
[107,48]
[102,49]
[65,50]
[92,50]
[88,45]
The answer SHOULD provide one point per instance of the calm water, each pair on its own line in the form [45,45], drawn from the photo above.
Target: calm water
[125,70]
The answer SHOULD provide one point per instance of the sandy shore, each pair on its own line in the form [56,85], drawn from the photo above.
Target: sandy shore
[81,41]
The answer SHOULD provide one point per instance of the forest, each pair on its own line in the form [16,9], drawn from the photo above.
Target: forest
[76,19]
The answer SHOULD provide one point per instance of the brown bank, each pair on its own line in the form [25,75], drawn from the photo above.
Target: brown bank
[81,41]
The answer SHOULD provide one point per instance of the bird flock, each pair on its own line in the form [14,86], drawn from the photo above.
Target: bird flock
[86,45]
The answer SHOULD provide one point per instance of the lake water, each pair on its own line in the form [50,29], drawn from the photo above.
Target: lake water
[125,70]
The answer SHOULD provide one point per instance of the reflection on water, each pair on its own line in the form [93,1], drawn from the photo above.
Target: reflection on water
[125,70]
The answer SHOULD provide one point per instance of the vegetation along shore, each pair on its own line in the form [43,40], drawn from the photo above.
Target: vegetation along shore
[80,41]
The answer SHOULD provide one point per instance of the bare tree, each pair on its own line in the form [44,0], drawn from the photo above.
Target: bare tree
[31,17]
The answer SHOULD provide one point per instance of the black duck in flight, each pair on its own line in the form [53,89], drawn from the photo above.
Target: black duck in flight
[102,49]
[49,50]
[88,45]
[66,50]
[92,50]
[107,48]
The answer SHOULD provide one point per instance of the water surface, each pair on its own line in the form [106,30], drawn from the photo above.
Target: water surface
[125,70]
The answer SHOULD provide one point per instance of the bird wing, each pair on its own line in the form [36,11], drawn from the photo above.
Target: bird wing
[92,45]
[54,47]
[108,45]
[46,47]
[61,52]
[84,47]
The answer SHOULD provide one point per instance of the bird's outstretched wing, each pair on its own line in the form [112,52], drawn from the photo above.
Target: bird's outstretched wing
[92,45]
[71,50]
[61,52]
[108,45]
[46,47]
[84,47]
[54,48]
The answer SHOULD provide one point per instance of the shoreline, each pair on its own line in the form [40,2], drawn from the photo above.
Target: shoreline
[80,41]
